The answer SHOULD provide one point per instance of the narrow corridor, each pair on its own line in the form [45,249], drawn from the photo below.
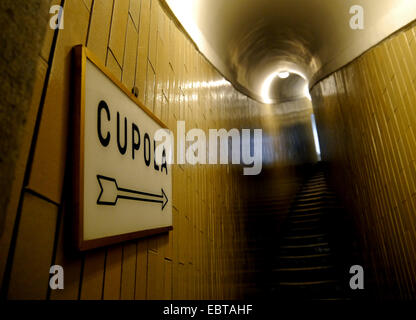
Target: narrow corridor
[285,130]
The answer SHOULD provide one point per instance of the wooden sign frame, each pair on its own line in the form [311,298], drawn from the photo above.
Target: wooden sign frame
[80,56]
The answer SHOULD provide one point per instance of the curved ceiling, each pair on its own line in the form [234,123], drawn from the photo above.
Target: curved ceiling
[249,41]
[287,89]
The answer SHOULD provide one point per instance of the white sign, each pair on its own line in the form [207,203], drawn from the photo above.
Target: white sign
[122,191]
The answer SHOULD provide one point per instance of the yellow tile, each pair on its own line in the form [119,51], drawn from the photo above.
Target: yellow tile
[130,58]
[93,275]
[150,87]
[112,275]
[141,270]
[162,24]
[128,271]
[118,29]
[168,280]
[172,44]
[141,69]
[100,28]
[88,4]
[153,243]
[71,264]
[50,156]
[165,110]
[34,248]
[113,65]
[134,11]
[155,288]
[153,31]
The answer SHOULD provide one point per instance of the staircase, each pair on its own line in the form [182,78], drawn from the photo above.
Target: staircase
[306,266]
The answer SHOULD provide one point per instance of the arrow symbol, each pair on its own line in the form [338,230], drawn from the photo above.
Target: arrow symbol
[111,192]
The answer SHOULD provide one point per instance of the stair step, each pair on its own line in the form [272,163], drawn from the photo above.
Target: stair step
[305,251]
[307,220]
[306,230]
[300,240]
[315,203]
[311,256]
[311,194]
[319,244]
[304,263]
[311,199]
[308,209]
[314,188]
[304,215]
[306,236]
[307,283]
[305,267]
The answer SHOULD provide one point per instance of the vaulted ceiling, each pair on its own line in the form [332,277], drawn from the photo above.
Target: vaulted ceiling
[249,41]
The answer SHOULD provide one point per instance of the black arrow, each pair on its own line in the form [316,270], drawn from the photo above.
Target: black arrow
[111,192]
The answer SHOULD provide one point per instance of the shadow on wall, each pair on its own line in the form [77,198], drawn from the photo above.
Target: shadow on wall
[19,20]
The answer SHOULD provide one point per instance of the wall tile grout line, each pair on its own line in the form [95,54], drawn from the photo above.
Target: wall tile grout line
[109,34]
[89,22]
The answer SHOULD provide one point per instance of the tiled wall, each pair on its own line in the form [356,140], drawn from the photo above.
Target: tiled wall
[205,256]
[366,118]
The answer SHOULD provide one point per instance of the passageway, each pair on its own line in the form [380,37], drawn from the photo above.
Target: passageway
[307,264]
[350,65]
[329,87]
[306,255]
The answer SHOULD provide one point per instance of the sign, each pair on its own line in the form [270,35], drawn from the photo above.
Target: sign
[122,190]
